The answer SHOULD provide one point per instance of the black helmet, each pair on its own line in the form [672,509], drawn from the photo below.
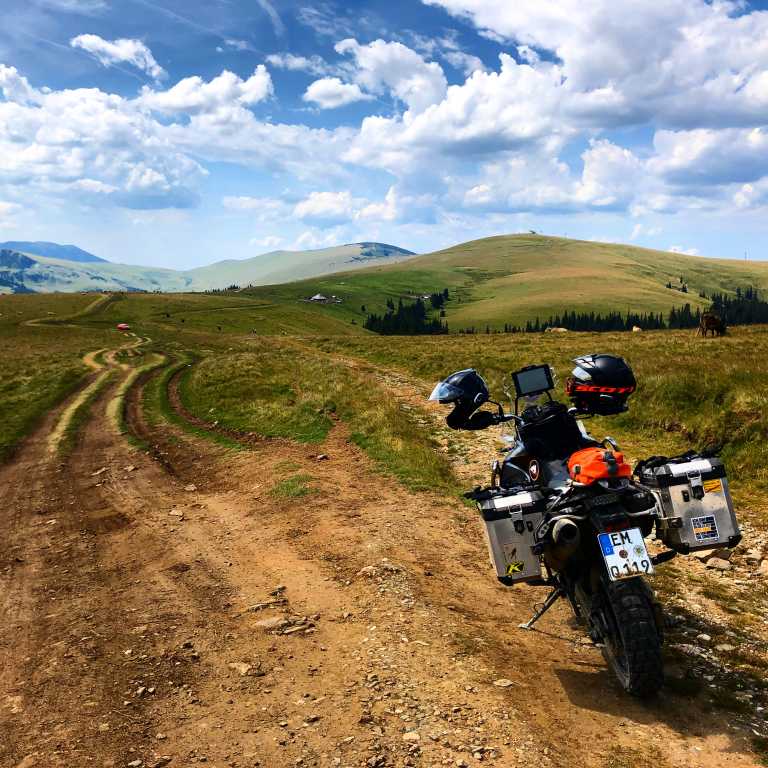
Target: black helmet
[467,391]
[466,388]
[600,384]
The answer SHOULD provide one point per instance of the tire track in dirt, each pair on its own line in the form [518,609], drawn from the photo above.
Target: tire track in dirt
[29,529]
[104,370]
[77,694]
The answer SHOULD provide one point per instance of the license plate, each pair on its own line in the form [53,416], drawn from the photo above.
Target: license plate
[625,554]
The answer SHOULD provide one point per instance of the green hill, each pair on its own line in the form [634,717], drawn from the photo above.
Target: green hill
[514,278]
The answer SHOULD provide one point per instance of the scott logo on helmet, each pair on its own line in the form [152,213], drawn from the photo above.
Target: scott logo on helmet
[601,390]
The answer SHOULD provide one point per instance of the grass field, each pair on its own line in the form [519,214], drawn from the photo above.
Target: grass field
[310,382]
[280,389]
[692,391]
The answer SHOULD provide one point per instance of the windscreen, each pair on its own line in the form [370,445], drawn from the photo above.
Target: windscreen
[533,380]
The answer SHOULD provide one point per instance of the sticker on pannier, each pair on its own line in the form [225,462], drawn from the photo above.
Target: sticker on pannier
[713,486]
[705,528]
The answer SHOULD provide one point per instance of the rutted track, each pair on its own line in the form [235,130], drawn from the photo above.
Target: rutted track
[93,386]
[129,630]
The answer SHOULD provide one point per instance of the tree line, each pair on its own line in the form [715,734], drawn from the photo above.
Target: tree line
[405,320]
[596,321]
[745,308]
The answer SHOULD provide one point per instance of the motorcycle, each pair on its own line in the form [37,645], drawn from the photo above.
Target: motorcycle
[567,512]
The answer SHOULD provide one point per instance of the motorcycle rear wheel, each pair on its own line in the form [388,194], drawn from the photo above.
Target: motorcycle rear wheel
[633,643]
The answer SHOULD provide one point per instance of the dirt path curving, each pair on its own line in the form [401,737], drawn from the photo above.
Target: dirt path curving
[192,610]
[64,321]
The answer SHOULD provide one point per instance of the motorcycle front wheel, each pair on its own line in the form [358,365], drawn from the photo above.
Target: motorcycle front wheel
[632,641]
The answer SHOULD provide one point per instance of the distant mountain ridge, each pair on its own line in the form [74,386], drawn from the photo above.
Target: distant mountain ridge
[22,270]
[379,250]
[52,251]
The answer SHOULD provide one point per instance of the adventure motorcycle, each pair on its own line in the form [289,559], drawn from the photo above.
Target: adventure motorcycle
[566,511]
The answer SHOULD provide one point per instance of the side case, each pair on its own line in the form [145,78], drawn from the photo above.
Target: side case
[695,505]
[510,524]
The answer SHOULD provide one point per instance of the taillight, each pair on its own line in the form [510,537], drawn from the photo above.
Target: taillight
[620,525]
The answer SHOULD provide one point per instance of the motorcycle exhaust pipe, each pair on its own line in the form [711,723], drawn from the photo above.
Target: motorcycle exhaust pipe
[565,541]
[565,533]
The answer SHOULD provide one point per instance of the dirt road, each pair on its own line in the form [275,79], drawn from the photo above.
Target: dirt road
[164,608]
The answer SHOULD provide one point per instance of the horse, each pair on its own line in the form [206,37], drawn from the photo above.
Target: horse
[711,321]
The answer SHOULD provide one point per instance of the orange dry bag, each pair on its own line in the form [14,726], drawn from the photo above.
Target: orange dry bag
[591,464]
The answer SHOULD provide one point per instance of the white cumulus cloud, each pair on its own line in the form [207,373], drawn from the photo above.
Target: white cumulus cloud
[326,208]
[688,77]
[383,67]
[194,95]
[14,87]
[122,51]
[680,61]
[330,93]
[680,249]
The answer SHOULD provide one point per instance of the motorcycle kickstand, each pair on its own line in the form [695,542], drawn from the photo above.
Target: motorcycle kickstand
[554,596]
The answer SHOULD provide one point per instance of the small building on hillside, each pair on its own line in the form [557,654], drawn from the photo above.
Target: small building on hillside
[319,298]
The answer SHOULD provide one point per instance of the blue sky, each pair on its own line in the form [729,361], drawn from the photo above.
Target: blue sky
[177,133]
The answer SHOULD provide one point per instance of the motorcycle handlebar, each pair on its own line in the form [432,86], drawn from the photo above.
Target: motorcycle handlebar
[463,418]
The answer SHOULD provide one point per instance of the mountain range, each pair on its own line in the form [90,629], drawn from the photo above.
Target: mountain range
[41,267]
[52,250]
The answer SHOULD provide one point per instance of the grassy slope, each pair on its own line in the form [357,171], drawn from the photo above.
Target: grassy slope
[278,389]
[518,277]
[168,314]
[513,278]
[278,266]
[691,391]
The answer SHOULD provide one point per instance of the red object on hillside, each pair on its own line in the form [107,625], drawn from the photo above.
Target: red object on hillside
[123,327]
